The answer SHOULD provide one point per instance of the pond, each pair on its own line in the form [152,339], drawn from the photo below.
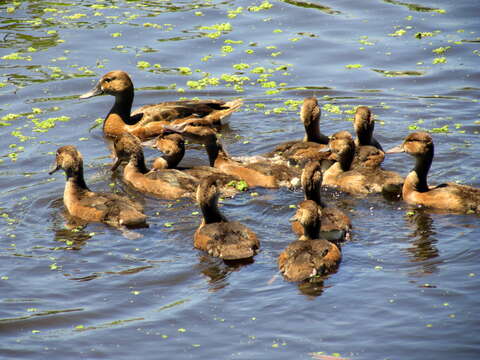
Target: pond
[409,279]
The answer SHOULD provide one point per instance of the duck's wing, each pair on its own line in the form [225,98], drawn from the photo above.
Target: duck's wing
[174,178]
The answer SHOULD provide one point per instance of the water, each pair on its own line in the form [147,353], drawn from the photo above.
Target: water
[408,283]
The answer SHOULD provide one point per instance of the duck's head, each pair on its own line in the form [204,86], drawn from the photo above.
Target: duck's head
[69,159]
[310,111]
[312,180]
[308,215]
[116,83]
[125,146]
[364,124]
[173,148]
[341,143]
[417,144]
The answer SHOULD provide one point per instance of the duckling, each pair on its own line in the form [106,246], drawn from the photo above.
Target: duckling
[257,172]
[368,151]
[172,146]
[147,121]
[229,240]
[361,180]
[82,203]
[449,196]
[336,225]
[300,152]
[167,184]
[309,256]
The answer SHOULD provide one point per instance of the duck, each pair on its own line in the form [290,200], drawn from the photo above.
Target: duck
[450,197]
[300,152]
[84,204]
[229,240]
[148,120]
[336,225]
[168,184]
[309,256]
[360,180]
[368,151]
[256,172]
[172,145]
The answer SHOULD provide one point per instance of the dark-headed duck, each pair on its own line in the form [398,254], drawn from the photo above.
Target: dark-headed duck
[164,183]
[261,172]
[309,256]
[87,205]
[229,240]
[335,223]
[147,121]
[449,196]
[361,180]
[300,152]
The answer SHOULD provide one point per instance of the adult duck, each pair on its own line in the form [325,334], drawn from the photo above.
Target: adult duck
[84,204]
[360,180]
[229,240]
[147,121]
[309,256]
[255,172]
[163,183]
[300,152]
[336,225]
[416,191]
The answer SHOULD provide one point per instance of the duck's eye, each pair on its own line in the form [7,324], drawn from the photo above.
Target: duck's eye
[107,80]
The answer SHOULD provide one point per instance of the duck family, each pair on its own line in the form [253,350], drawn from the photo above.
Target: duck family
[314,163]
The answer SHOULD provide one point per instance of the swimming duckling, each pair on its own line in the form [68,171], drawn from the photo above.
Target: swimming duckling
[368,151]
[112,209]
[173,148]
[147,121]
[229,240]
[309,256]
[164,183]
[300,152]
[336,225]
[361,180]
[257,172]
[449,196]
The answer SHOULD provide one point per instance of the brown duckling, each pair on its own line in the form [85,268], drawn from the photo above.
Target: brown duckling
[172,146]
[147,121]
[361,180]
[449,196]
[257,172]
[164,183]
[368,151]
[87,205]
[229,240]
[336,225]
[309,256]
[300,152]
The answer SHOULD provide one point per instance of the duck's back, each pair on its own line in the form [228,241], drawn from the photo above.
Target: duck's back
[449,196]
[303,259]
[227,240]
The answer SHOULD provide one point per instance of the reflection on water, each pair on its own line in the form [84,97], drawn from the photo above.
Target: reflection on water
[423,247]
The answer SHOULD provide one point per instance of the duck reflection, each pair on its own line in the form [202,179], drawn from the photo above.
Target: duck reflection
[218,270]
[423,245]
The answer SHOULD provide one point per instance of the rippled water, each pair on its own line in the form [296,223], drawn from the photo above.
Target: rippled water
[408,283]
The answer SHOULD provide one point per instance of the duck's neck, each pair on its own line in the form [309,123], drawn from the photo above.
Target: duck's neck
[311,230]
[346,158]
[75,178]
[210,211]
[313,133]
[422,166]
[214,150]
[312,192]
[364,137]
[138,162]
[123,106]
[170,161]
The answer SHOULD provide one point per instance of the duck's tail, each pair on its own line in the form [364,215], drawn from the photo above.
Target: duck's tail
[229,107]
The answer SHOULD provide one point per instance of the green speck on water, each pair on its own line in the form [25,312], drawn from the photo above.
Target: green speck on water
[143,64]
[168,224]
[353,66]
[443,129]
[240,185]
[4,278]
[182,330]
[35,331]
[439,60]
[79,327]
[441,50]
[398,33]
[115,35]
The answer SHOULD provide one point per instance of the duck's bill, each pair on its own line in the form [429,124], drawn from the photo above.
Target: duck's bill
[97,90]
[54,169]
[395,150]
